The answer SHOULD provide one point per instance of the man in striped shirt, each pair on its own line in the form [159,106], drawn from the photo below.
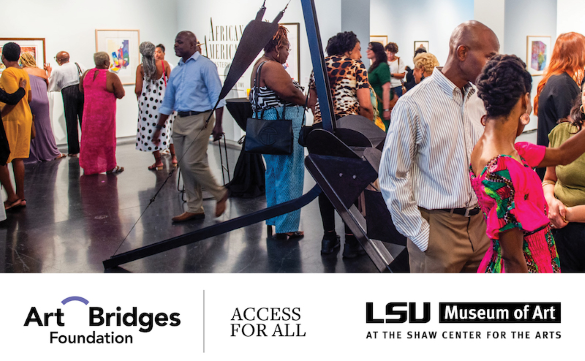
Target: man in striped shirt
[424,173]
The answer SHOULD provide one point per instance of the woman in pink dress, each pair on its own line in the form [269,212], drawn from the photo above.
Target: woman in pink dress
[98,132]
[508,189]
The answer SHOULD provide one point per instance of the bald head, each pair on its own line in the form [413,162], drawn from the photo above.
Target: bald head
[471,45]
[62,57]
[472,34]
[185,44]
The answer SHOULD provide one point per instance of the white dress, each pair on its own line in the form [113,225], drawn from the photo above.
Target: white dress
[153,93]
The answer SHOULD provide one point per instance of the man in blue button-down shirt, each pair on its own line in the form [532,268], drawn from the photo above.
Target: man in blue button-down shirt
[192,91]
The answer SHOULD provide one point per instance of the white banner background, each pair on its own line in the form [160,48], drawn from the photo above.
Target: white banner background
[332,309]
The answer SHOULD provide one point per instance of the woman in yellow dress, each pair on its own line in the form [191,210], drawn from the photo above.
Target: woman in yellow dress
[17,121]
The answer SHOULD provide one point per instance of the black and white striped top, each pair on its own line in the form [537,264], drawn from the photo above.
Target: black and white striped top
[425,162]
[267,98]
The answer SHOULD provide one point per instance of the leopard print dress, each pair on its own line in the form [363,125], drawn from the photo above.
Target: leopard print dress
[346,76]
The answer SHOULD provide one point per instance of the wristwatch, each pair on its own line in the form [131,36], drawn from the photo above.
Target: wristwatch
[386,110]
[159,127]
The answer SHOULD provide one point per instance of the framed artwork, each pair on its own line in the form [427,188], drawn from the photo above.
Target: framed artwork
[35,46]
[293,63]
[122,46]
[538,50]
[422,44]
[379,39]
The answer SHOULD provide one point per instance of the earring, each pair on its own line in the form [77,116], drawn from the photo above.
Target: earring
[525,118]
[581,109]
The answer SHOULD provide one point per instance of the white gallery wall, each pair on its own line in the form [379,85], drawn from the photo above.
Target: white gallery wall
[196,15]
[524,18]
[70,25]
[408,21]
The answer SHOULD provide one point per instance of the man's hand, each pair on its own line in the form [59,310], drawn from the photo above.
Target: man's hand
[217,132]
[22,83]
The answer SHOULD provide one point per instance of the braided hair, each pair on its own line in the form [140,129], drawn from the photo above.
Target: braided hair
[502,82]
[148,62]
[278,40]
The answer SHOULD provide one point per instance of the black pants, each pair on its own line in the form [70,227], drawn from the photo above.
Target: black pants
[73,104]
[328,215]
[570,241]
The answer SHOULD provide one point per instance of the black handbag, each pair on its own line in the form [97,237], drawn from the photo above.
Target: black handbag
[268,136]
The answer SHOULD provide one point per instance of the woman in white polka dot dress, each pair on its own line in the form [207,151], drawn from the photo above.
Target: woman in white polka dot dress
[151,79]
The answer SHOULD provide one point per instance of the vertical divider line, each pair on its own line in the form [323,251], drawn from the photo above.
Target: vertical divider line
[203,321]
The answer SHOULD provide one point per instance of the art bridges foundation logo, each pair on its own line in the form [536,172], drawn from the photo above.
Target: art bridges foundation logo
[101,326]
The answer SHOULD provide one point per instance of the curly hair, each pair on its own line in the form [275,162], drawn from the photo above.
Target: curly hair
[391,47]
[426,61]
[11,51]
[341,43]
[380,54]
[502,82]
[278,40]
[576,116]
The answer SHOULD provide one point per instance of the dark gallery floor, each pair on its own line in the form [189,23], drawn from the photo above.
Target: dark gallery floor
[73,222]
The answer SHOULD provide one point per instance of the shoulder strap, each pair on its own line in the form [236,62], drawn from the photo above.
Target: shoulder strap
[79,70]
[256,86]
[164,72]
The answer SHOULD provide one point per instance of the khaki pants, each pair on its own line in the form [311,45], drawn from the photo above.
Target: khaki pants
[191,141]
[456,243]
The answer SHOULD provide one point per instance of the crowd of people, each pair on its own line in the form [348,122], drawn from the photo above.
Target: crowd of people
[456,182]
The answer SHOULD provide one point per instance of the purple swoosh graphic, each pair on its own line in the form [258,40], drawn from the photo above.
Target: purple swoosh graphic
[75,298]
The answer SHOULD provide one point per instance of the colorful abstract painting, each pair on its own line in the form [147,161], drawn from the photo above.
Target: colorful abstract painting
[538,59]
[122,47]
[34,46]
[119,50]
[538,50]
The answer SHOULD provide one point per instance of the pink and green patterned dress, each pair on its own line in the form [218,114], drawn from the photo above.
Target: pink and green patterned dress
[510,196]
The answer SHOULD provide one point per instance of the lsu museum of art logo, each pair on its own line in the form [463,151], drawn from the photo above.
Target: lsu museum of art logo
[99,321]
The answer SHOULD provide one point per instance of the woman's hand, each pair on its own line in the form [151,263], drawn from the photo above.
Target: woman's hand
[557,213]
[22,83]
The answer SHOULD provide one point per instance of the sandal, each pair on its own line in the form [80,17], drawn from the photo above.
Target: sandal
[175,162]
[118,169]
[76,155]
[290,235]
[60,156]
[156,166]
[16,204]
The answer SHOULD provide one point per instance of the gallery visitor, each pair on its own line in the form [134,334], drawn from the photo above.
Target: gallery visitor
[192,90]
[379,78]
[424,175]
[65,79]
[350,90]
[559,86]
[151,83]
[17,122]
[43,147]
[274,95]
[564,190]
[101,88]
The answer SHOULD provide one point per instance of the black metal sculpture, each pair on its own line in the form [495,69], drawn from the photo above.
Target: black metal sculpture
[343,159]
